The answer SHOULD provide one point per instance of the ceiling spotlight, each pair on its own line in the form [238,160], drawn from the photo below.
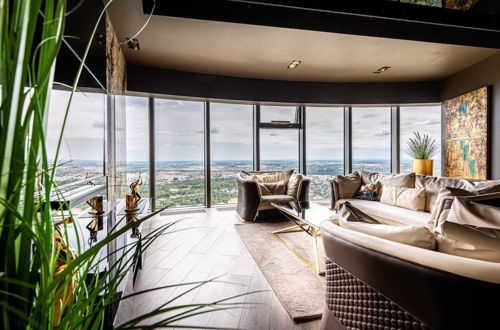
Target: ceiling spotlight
[100,38]
[382,69]
[133,44]
[293,64]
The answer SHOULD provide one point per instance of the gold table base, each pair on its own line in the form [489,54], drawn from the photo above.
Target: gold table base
[314,233]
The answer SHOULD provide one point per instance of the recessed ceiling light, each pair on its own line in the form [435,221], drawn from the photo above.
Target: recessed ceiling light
[133,44]
[293,64]
[382,69]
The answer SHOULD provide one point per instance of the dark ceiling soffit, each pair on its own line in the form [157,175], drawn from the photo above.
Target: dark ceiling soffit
[384,19]
[154,81]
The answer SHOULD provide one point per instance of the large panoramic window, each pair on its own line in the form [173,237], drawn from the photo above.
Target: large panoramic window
[81,154]
[279,149]
[423,120]
[231,136]
[137,144]
[371,139]
[179,131]
[325,148]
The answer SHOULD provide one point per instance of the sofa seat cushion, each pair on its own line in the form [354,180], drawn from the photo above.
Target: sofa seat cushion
[389,214]
[353,218]
[267,200]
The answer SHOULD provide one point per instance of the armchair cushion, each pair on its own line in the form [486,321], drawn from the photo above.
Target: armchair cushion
[272,188]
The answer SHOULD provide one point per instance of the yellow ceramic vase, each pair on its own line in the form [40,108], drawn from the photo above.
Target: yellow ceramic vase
[423,166]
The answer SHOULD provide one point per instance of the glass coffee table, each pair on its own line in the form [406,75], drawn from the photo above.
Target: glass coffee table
[306,217]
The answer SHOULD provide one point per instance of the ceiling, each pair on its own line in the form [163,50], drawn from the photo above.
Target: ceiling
[264,52]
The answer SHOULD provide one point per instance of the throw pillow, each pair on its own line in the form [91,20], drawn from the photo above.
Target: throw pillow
[354,219]
[408,198]
[348,185]
[272,188]
[446,196]
[479,211]
[399,180]
[368,192]
[471,227]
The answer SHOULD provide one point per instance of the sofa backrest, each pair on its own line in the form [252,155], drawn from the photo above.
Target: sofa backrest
[431,184]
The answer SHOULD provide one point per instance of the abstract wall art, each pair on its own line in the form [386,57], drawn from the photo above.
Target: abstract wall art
[466,135]
[460,4]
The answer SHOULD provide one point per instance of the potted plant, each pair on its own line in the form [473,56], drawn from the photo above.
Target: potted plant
[422,148]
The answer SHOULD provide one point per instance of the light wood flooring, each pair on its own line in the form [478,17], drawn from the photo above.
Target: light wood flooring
[205,245]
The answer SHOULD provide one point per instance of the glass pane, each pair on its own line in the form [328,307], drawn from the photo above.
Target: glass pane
[137,131]
[325,148]
[371,139]
[424,120]
[231,141]
[277,113]
[279,149]
[179,153]
[82,147]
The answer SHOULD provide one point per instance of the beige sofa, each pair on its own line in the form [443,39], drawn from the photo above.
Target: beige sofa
[398,215]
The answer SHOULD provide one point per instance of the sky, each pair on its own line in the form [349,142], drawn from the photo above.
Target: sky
[179,130]
[84,131]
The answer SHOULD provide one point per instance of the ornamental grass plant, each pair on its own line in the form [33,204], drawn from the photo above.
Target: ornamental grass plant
[43,281]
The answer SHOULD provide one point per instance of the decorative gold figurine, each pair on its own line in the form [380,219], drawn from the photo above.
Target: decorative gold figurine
[132,199]
[135,229]
[97,204]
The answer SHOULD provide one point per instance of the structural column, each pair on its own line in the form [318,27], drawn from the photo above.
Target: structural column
[152,154]
[302,140]
[256,137]
[347,140]
[395,140]
[208,189]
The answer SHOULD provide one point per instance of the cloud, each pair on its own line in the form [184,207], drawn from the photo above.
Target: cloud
[383,132]
[98,124]
[214,130]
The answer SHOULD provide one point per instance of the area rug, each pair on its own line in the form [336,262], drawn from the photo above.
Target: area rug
[301,291]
